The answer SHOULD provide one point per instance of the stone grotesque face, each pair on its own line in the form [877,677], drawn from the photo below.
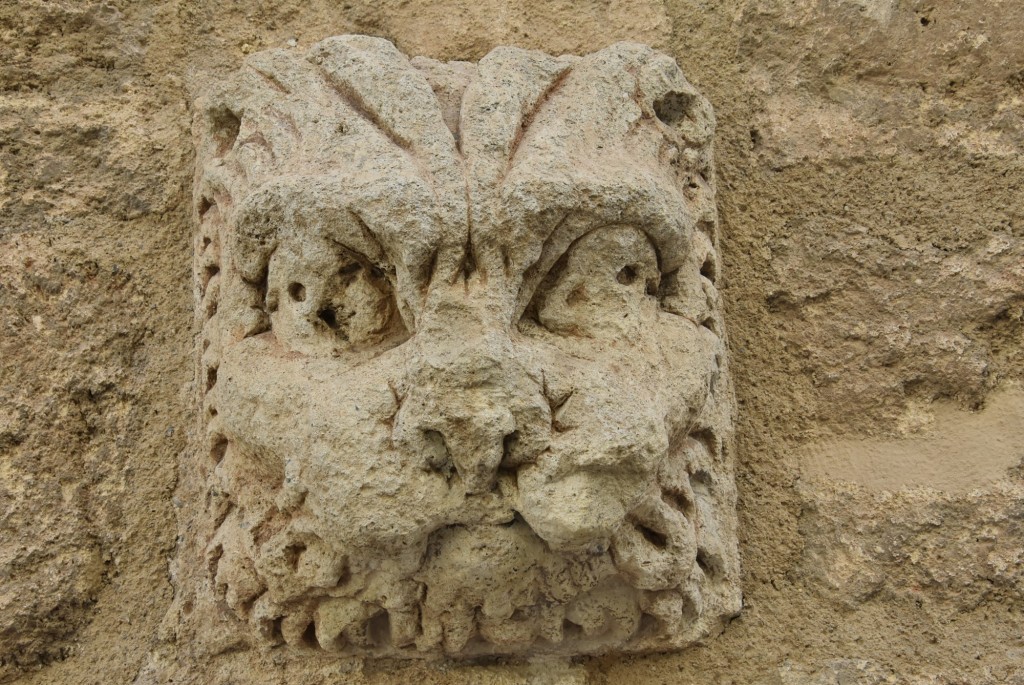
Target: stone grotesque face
[465,383]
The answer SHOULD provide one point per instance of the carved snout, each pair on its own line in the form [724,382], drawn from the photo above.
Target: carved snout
[471,410]
[467,433]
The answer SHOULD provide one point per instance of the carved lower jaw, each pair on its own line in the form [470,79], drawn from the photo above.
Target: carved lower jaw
[482,590]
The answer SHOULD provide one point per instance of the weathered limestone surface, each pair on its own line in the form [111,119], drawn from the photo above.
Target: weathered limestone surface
[869,182]
[465,389]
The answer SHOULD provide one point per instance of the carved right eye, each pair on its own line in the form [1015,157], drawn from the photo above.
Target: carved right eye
[603,284]
[326,299]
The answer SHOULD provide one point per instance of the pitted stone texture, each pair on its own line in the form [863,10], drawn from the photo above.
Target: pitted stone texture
[465,379]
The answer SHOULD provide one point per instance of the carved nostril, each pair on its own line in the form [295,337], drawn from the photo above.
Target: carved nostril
[437,455]
[467,435]
[509,446]
[329,317]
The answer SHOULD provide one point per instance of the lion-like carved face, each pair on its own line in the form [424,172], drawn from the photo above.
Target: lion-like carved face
[465,382]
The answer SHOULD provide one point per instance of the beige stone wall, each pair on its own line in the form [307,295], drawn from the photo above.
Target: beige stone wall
[870,185]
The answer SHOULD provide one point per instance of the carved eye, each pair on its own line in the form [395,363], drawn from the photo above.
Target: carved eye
[603,284]
[326,299]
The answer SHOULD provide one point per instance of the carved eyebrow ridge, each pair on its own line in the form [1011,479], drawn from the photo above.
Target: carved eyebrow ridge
[533,281]
[527,120]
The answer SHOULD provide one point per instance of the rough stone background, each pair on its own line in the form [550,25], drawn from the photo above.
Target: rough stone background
[871,189]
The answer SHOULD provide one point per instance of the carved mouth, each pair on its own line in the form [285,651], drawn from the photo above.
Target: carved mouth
[487,583]
[499,590]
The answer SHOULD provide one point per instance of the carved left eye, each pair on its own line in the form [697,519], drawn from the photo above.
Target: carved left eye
[603,284]
[326,299]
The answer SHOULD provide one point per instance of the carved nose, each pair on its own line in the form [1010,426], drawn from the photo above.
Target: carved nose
[471,403]
[467,433]
[469,409]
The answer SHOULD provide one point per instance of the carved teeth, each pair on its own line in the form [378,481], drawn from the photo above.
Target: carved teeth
[334,616]
[459,626]
[665,606]
[405,626]
[343,623]
[359,635]
[497,605]
[294,628]
[550,623]
[266,616]
[519,629]
[590,617]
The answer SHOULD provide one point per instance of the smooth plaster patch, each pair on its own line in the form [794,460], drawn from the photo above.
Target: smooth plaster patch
[955,452]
